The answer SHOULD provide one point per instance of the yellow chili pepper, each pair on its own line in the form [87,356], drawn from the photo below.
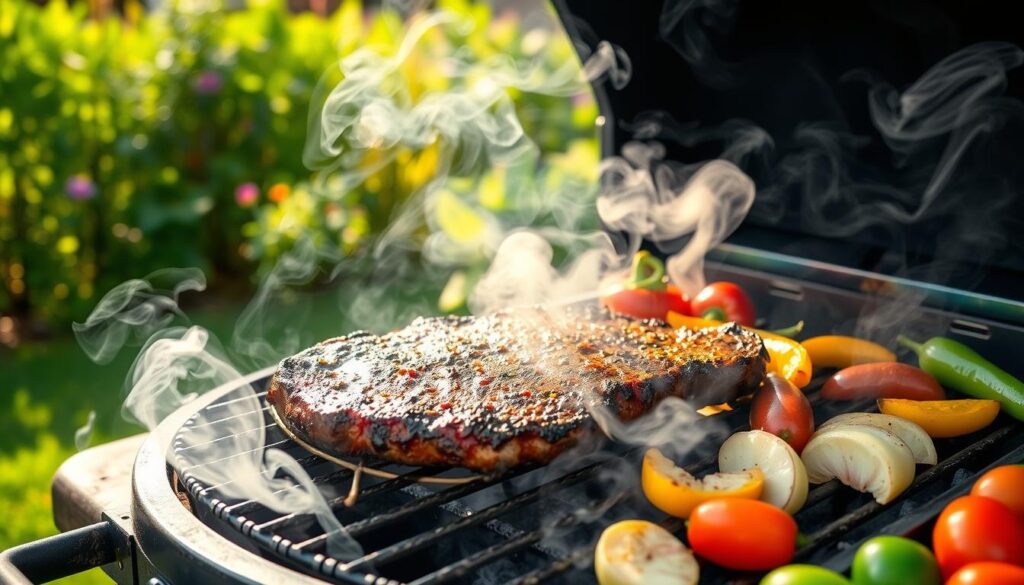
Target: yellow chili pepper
[677,320]
[674,491]
[943,418]
[841,351]
[788,358]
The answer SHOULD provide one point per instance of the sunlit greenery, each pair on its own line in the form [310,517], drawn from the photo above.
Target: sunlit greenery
[137,141]
[175,139]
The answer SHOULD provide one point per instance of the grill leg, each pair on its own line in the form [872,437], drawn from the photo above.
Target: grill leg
[58,556]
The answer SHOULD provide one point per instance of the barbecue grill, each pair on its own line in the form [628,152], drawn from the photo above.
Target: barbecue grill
[156,521]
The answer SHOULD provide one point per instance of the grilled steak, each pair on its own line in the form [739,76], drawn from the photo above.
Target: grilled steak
[503,389]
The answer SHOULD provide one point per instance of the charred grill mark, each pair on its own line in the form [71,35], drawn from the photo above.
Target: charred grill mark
[502,389]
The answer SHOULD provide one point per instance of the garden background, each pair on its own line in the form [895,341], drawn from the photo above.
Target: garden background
[135,139]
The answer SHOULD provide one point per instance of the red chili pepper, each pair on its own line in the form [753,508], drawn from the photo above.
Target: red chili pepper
[882,380]
[724,301]
[646,295]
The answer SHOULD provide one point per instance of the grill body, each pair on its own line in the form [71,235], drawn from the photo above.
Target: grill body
[535,525]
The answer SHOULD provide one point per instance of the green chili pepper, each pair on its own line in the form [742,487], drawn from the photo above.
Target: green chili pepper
[961,368]
[791,331]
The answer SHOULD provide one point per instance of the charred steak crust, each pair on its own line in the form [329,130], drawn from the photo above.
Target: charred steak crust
[503,389]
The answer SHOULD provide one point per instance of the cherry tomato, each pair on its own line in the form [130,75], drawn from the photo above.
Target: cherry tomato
[781,409]
[746,535]
[648,304]
[803,575]
[976,528]
[724,301]
[988,573]
[893,560]
[882,380]
[1006,484]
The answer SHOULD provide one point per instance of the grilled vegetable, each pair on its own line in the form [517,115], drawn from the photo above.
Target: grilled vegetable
[912,434]
[943,418]
[988,573]
[646,295]
[841,351]
[781,409]
[745,535]
[803,575]
[789,359]
[674,491]
[791,331]
[865,458]
[1004,483]
[959,367]
[882,380]
[976,528]
[893,560]
[637,552]
[785,479]
[724,301]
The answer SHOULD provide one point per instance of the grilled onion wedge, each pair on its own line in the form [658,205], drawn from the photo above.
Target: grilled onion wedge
[637,552]
[868,459]
[785,479]
[911,433]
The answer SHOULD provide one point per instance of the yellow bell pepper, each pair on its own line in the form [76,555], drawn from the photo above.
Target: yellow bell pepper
[841,351]
[788,358]
[943,418]
[673,490]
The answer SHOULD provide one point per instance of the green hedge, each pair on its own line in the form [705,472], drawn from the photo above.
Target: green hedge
[175,139]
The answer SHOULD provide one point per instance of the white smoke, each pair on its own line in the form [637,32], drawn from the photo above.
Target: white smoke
[133,310]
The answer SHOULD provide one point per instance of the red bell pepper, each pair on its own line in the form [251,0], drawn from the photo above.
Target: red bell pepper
[646,294]
[724,301]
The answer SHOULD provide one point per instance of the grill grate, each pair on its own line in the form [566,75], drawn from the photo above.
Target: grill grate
[493,529]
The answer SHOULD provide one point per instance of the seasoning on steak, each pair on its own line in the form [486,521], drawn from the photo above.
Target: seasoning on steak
[504,389]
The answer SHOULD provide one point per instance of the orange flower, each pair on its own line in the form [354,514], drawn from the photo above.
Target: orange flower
[279,192]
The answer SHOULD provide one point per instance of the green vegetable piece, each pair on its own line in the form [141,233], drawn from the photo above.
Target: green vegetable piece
[893,560]
[803,575]
[961,368]
[791,331]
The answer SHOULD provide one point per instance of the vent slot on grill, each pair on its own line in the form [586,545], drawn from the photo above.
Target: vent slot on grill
[970,329]
[785,289]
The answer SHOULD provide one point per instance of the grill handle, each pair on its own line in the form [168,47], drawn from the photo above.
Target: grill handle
[58,556]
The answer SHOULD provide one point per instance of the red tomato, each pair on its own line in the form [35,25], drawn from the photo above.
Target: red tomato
[1006,484]
[781,409]
[746,535]
[882,380]
[648,304]
[976,528]
[724,301]
[988,573]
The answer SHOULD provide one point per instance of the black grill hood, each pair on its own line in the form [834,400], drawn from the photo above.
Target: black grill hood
[785,89]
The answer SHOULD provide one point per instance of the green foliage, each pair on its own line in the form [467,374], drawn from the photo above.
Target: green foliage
[176,139]
[121,144]
[124,142]
[25,497]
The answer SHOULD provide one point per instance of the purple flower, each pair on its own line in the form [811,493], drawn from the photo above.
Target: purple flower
[246,194]
[80,187]
[208,82]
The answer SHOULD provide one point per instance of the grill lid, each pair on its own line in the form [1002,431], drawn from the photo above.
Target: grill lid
[881,136]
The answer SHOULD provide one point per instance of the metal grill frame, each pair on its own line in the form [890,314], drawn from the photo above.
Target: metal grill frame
[233,515]
[1001,443]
